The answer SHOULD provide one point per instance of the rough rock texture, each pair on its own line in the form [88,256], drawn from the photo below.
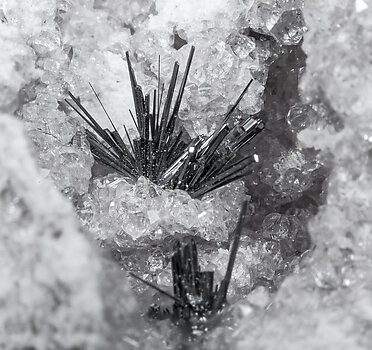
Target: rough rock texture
[78,42]
[18,68]
[327,304]
[226,58]
[55,291]
[231,47]
[53,46]
[74,43]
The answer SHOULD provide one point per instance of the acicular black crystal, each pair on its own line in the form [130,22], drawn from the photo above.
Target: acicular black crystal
[196,298]
[159,152]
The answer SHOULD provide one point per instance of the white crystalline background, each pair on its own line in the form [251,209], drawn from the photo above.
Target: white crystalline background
[327,304]
[145,210]
[59,291]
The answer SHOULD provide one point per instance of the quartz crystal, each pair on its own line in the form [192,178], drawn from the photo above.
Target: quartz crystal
[65,57]
[130,214]
[282,20]
[225,58]
[302,274]
[256,262]
[87,45]
[326,303]
[290,27]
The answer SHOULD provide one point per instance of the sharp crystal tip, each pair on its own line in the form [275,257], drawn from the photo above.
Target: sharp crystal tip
[159,152]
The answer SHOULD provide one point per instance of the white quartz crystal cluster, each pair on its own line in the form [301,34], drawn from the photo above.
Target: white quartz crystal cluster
[327,303]
[60,294]
[225,57]
[128,214]
[74,43]
[69,44]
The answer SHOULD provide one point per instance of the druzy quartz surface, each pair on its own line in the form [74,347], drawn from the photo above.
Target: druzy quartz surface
[302,272]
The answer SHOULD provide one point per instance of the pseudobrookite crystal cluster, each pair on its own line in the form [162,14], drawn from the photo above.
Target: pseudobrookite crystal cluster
[287,289]
[57,291]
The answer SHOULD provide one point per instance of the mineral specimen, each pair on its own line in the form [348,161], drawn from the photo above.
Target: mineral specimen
[326,304]
[160,154]
[137,214]
[50,48]
[196,299]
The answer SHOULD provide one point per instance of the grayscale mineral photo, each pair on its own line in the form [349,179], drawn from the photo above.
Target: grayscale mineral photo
[185,174]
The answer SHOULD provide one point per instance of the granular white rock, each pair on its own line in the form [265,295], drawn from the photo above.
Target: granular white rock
[54,291]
